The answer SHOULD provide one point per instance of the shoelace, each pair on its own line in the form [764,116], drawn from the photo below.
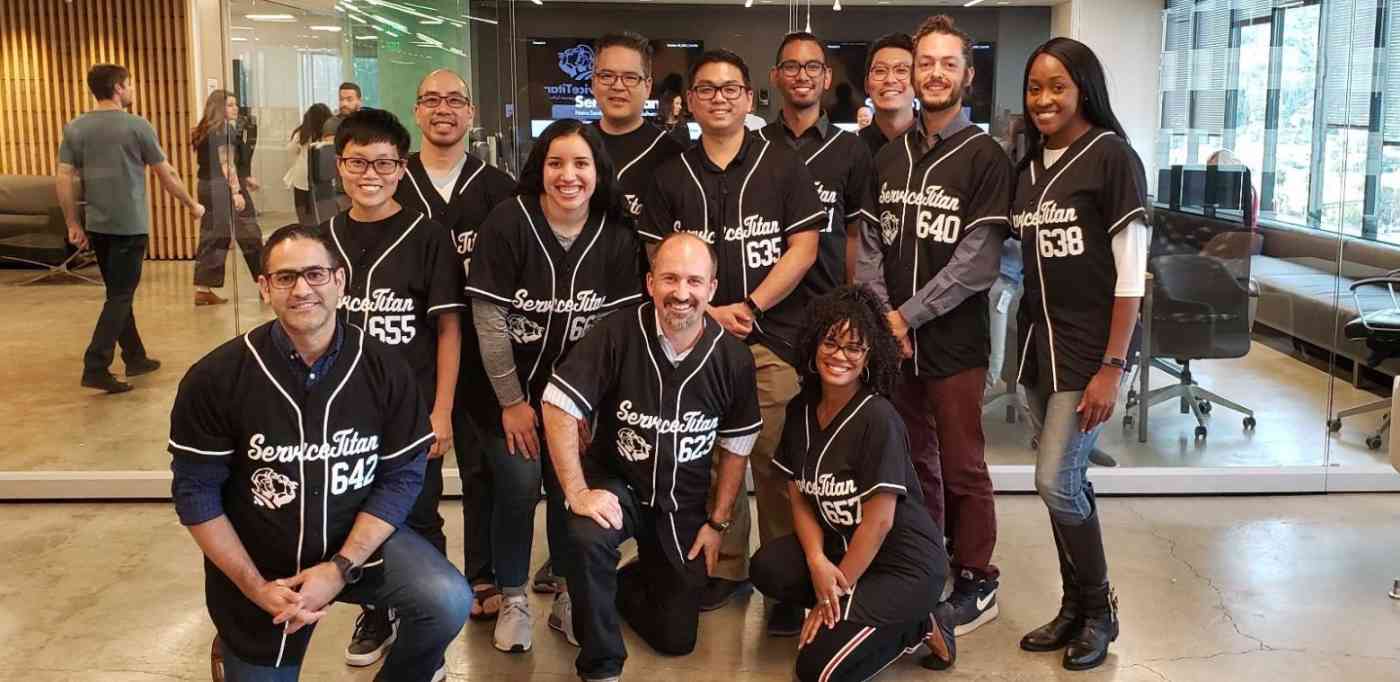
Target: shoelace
[522,607]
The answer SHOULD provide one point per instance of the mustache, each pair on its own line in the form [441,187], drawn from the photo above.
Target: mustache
[672,300]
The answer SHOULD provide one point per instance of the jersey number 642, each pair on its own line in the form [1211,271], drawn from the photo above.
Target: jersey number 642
[344,478]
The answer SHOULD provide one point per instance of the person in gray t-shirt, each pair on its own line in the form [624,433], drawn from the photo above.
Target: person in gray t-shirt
[105,152]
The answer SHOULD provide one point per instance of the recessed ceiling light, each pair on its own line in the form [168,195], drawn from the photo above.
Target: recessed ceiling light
[280,18]
[327,29]
[970,3]
[238,39]
[241,28]
[366,37]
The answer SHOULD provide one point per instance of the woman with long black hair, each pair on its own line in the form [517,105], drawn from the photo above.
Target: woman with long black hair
[230,206]
[866,557]
[299,146]
[1080,211]
[549,264]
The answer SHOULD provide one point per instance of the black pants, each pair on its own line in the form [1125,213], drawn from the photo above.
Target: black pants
[476,496]
[119,257]
[212,250]
[849,651]
[660,600]
[424,518]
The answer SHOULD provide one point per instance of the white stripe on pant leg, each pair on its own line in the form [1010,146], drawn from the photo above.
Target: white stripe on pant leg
[844,653]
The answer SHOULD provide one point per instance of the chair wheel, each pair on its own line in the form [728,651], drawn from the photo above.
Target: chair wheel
[1373,442]
[1203,406]
[1334,425]
[1200,433]
[1249,423]
[1035,442]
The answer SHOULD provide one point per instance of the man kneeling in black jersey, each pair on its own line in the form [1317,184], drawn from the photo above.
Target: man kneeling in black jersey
[298,450]
[663,386]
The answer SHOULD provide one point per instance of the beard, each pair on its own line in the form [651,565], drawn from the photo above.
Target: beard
[679,322]
[955,96]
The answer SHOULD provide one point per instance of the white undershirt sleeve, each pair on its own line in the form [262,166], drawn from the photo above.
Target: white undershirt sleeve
[561,400]
[1130,258]
[740,446]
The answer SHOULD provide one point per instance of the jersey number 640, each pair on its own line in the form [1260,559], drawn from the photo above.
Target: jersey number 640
[945,228]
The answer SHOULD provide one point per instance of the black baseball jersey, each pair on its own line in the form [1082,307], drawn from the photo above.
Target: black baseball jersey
[478,189]
[551,296]
[302,462]
[636,155]
[1066,217]
[929,203]
[402,272]
[746,211]
[874,138]
[864,451]
[841,167]
[657,424]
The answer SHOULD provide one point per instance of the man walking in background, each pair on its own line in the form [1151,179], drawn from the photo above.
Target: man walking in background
[107,151]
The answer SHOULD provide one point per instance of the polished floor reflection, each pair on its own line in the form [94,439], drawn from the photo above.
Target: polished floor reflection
[1211,589]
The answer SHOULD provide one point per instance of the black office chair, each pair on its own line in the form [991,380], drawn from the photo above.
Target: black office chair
[1200,311]
[1380,329]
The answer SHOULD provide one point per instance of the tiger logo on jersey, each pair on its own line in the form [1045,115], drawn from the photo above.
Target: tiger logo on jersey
[523,330]
[632,446]
[889,227]
[271,489]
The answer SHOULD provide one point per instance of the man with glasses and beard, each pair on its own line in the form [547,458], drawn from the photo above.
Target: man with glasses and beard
[839,163]
[944,189]
[887,80]
[673,399]
[756,203]
[457,190]
[297,451]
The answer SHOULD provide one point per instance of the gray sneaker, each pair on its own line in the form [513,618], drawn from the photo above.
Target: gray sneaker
[514,626]
[561,617]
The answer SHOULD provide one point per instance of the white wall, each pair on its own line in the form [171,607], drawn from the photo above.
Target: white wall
[1127,36]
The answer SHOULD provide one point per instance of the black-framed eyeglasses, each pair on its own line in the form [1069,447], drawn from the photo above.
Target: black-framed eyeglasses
[790,68]
[356,165]
[629,80]
[899,72]
[731,91]
[435,101]
[316,276]
[853,351]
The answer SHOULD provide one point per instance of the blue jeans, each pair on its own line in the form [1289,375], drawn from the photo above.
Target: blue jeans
[1062,458]
[423,587]
[515,498]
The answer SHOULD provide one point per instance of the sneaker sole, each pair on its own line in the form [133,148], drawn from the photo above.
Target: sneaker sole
[556,625]
[368,659]
[744,591]
[516,649]
[987,616]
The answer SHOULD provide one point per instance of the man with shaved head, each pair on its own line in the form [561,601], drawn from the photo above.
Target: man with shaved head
[670,391]
[457,190]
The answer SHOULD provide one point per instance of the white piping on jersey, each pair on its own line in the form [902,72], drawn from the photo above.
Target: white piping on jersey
[369,279]
[410,446]
[644,153]
[829,439]
[676,536]
[844,652]
[1025,348]
[877,486]
[573,284]
[197,451]
[326,429]
[736,429]
[743,241]
[660,399]
[462,191]
[986,218]
[301,476]
[426,206]
[576,393]
[447,305]
[829,140]
[914,281]
[675,435]
[553,291]
[704,203]
[1040,273]
[1129,214]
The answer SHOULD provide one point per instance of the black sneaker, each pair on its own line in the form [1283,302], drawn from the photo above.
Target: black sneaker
[786,620]
[719,591]
[940,637]
[375,632]
[545,582]
[106,382]
[974,602]
[136,368]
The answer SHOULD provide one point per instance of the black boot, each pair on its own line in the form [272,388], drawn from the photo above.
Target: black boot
[1084,547]
[1054,635]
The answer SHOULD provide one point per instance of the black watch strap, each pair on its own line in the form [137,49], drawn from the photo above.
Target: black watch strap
[719,527]
[349,572]
[1115,362]
[757,311]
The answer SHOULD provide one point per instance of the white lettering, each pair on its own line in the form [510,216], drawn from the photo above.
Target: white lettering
[753,226]
[1048,212]
[344,443]
[585,301]
[379,301]
[826,485]
[930,197]
[693,421]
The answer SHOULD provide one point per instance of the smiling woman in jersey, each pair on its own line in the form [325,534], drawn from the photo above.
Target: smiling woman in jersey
[866,558]
[551,262]
[1079,209]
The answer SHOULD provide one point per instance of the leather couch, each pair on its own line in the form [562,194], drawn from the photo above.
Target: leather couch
[31,223]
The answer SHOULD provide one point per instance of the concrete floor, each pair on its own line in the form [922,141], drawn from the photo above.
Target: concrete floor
[1210,589]
[49,325]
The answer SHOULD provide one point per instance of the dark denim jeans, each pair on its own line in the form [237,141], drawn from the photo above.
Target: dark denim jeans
[429,595]
[120,258]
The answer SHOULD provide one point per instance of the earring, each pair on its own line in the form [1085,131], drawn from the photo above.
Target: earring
[866,373]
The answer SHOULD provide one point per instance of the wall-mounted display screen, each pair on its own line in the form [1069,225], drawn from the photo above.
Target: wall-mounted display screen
[560,74]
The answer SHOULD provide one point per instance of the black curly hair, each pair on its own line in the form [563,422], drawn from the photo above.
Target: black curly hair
[855,306]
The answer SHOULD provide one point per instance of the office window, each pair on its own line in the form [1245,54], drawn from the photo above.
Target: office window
[1252,97]
[1297,97]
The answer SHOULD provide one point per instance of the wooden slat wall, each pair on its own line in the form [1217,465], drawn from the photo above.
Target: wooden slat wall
[46,48]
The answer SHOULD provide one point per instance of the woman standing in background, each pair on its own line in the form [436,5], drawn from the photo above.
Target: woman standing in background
[229,216]
[299,146]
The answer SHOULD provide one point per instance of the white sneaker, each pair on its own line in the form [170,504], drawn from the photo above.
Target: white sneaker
[561,617]
[514,626]
[441,673]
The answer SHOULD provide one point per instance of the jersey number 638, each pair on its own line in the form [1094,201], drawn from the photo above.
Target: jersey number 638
[1060,242]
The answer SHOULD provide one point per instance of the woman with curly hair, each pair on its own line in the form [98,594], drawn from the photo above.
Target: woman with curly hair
[874,561]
